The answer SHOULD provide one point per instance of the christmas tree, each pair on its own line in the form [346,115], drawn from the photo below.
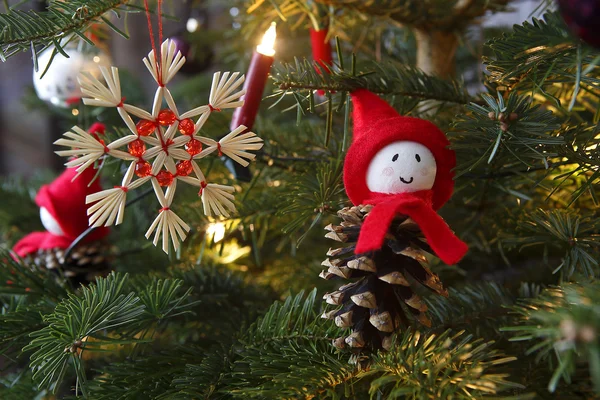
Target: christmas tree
[287,176]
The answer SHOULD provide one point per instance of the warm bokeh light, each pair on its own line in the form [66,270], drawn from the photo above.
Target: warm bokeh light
[266,47]
[216,230]
[192,25]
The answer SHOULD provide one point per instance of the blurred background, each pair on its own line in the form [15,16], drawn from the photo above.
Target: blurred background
[29,125]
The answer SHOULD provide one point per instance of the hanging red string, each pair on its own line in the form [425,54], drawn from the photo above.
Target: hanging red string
[160,23]
[157,55]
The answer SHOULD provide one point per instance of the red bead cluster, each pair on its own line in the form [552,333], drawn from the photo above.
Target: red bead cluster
[137,148]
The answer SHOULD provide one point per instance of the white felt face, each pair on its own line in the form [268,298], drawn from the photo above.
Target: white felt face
[50,223]
[401,167]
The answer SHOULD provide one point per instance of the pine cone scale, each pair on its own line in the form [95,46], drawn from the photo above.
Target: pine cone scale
[84,264]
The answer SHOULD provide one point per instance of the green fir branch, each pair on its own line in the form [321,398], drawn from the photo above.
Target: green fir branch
[140,378]
[101,316]
[472,308]
[442,15]
[19,386]
[539,54]
[320,194]
[221,301]
[18,277]
[504,132]
[449,365]
[288,353]
[31,30]
[388,79]
[291,11]
[206,379]
[18,212]
[562,325]
[573,236]
[17,321]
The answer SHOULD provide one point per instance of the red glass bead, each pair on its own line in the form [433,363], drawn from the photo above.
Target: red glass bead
[166,117]
[186,126]
[136,148]
[143,169]
[193,147]
[184,168]
[164,178]
[145,127]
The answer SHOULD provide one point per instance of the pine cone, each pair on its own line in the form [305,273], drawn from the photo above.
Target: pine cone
[86,261]
[379,299]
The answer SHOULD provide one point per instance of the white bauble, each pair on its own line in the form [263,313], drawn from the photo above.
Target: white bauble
[50,222]
[59,84]
[401,167]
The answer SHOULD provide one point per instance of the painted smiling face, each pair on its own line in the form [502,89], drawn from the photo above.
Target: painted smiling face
[401,167]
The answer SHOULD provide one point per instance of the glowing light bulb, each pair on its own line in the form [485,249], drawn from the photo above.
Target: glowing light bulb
[216,230]
[192,25]
[266,47]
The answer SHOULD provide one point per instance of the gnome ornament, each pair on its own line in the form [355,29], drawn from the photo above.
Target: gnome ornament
[397,173]
[64,215]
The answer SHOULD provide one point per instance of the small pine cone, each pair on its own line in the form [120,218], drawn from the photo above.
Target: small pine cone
[379,298]
[86,261]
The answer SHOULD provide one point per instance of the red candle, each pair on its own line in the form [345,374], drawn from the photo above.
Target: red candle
[321,48]
[255,82]
[321,51]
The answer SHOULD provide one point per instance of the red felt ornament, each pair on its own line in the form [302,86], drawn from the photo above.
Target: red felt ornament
[417,191]
[63,211]
[64,201]
[397,172]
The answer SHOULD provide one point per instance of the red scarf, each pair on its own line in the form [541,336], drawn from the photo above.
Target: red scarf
[418,206]
[41,241]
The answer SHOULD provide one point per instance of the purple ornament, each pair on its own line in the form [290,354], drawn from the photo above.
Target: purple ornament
[582,17]
[181,45]
[197,58]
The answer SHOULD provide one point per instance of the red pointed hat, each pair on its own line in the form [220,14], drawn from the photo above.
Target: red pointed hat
[64,199]
[377,124]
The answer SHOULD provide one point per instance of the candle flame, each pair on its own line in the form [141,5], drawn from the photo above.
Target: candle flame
[266,47]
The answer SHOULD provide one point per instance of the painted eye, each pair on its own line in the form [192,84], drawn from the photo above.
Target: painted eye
[395,157]
[418,157]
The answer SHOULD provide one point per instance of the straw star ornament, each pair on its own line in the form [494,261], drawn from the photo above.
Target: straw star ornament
[163,147]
